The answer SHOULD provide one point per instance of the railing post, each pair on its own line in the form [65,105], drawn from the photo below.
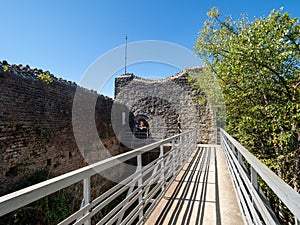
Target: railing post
[240,158]
[189,139]
[173,157]
[181,152]
[140,182]
[190,145]
[233,149]
[254,178]
[218,139]
[87,195]
[162,164]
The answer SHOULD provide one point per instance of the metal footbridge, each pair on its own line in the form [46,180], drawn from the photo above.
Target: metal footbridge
[187,183]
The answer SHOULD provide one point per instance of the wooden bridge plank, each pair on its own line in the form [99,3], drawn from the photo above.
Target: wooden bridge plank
[202,193]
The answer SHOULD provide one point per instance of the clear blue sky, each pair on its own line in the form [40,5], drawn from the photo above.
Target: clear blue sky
[66,36]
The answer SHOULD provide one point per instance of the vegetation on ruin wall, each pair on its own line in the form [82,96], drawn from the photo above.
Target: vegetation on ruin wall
[46,78]
[257,67]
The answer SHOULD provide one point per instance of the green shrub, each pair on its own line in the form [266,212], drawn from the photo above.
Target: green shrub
[46,78]
[5,68]
[49,210]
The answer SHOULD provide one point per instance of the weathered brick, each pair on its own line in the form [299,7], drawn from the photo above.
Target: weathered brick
[36,124]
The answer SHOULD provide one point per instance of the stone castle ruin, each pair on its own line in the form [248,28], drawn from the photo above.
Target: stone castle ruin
[163,101]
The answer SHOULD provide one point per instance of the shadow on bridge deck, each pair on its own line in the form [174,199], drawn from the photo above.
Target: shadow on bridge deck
[202,193]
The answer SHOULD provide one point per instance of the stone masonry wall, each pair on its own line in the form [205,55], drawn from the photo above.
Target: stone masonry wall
[166,99]
[36,130]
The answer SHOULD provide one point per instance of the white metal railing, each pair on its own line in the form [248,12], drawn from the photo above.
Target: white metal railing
[253,203]
[131,139]
[144,187]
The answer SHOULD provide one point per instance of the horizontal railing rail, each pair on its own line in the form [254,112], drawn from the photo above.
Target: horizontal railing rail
[144,187]
[252,201]
[134,139]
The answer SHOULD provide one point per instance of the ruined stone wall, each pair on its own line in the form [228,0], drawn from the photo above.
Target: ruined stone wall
[166,99]
[36,130]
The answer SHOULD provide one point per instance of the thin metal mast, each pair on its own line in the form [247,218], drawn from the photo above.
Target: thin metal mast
[126,54]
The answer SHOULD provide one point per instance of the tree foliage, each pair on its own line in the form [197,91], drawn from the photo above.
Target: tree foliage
[257,66]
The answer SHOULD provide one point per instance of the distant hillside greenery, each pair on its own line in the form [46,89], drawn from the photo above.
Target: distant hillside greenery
[257,65]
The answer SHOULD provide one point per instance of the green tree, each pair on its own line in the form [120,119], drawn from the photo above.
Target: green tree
[257,66]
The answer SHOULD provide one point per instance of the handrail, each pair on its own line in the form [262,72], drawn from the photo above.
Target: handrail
[247,186]
[133,139]
[177,155]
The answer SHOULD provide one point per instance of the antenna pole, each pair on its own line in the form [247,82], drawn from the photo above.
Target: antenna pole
[126,54]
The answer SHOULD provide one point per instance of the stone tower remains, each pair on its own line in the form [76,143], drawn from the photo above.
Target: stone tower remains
[164,100]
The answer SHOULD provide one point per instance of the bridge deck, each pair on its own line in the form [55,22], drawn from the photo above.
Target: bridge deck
[202,193]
